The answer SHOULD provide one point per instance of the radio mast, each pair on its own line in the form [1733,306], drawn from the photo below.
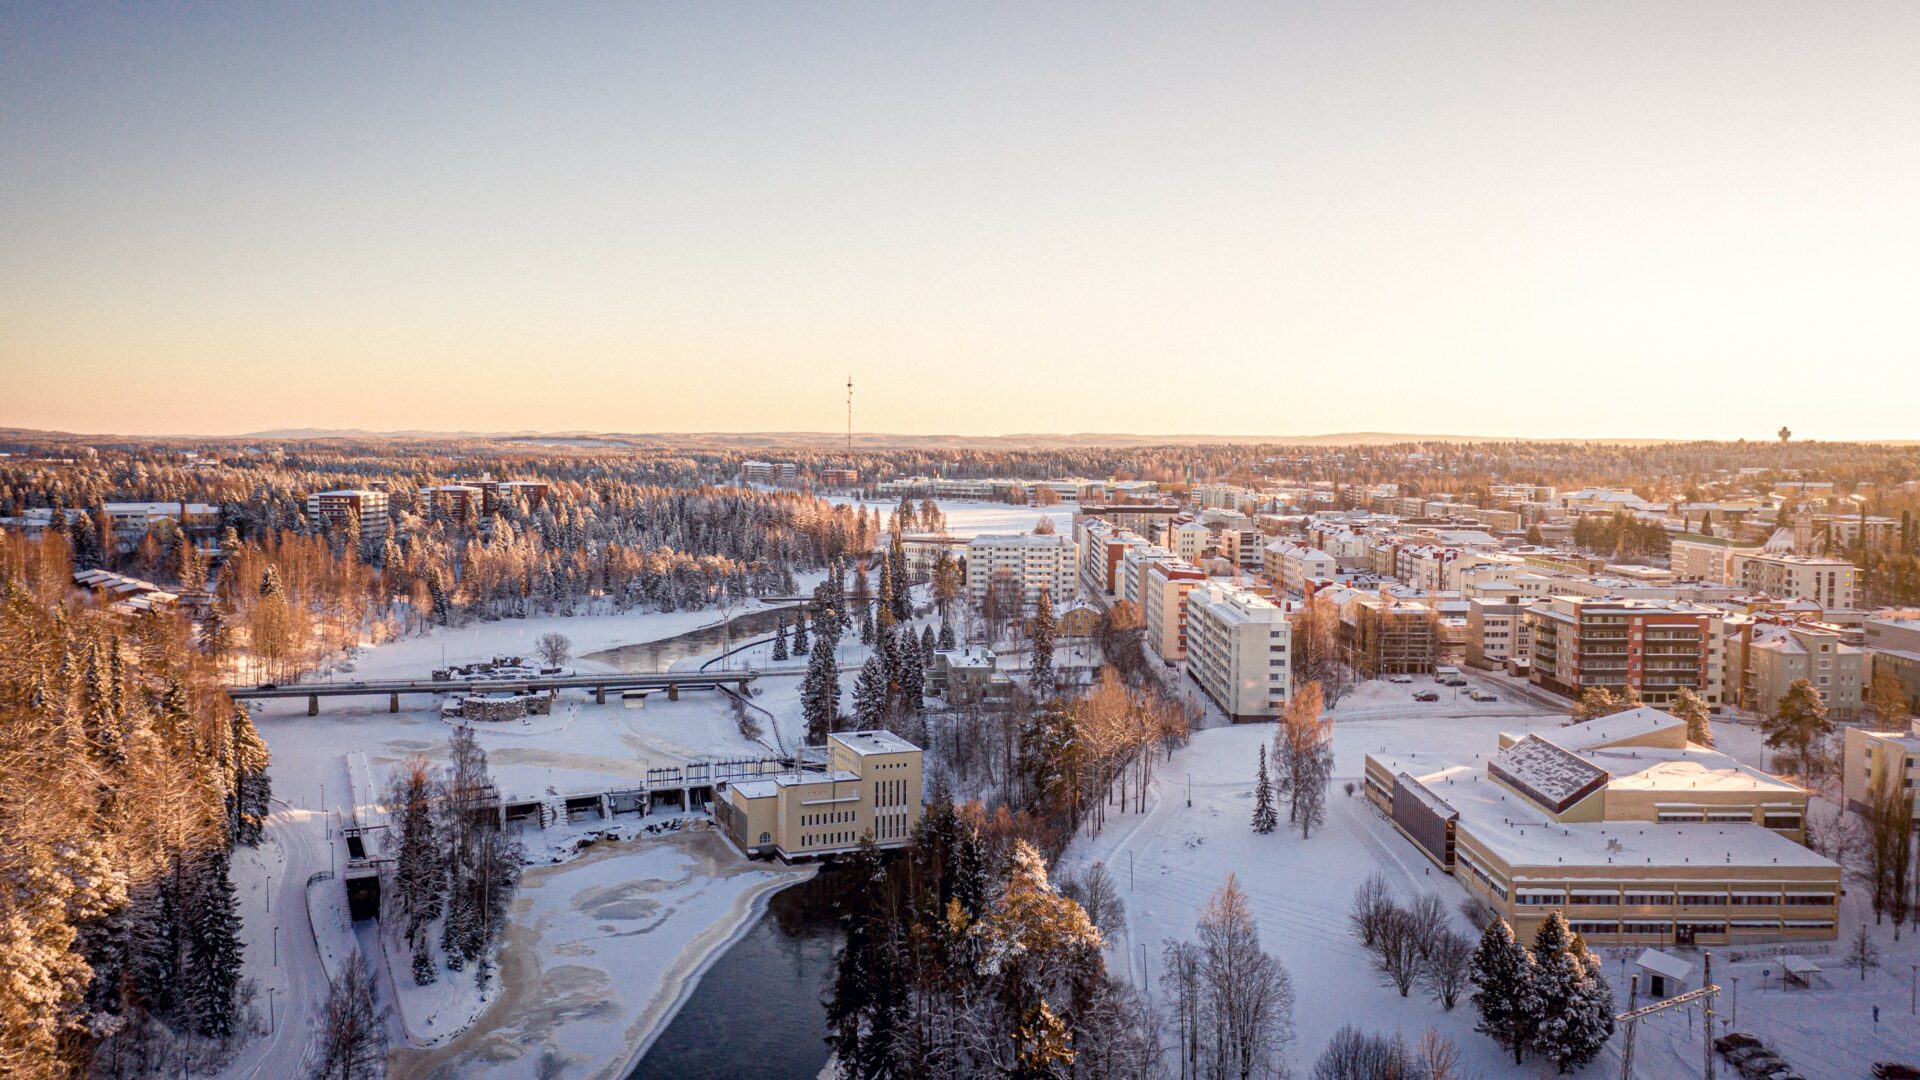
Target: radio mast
[849,415]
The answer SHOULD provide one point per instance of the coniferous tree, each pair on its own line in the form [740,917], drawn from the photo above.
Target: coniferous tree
[800,645]
[1571,1003]
[1503,988]
[1798,723]
[866,624]
[902,598]
[870,695]
[927,644]
[252,791]
[1264,819]
[946,634]
[820,691]
[1040,672]
[1692,708]
[212,971]
[419,872]
[780,638]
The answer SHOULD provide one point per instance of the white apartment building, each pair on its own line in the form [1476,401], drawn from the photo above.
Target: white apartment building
[1044,561]
[1187,539]
[1880,761]
[1225,497]
[1293,567]
[340,508]
[1133,567]
[1827,582]
[1239,651]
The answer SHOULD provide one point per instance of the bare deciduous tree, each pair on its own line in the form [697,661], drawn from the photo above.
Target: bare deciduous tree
[353,1044]
[1371,901]
[1398,943]
[1447,967]
[554,647]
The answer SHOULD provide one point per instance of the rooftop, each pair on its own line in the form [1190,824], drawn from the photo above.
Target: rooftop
[875,741]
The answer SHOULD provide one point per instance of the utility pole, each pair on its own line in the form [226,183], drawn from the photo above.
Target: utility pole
[1631,1018]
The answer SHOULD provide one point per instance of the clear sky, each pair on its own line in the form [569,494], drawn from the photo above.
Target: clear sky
[1631,219]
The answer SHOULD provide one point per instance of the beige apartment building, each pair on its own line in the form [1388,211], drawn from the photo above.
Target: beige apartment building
[1774,654]
[1706,558]
[1497,632]
[1828,582]
[1036,562]
[1164,588]
[1636,835]
[872,783]
[1239,651]
[1880,761]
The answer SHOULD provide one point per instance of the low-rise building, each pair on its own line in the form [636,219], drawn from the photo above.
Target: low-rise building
[871,786]
[1239,651]
[1776,653]
[460,503]
[1637,836]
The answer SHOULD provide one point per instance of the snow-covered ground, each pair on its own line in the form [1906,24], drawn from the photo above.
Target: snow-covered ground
[601,949]
[686,894]
[1167,861]
[968,519]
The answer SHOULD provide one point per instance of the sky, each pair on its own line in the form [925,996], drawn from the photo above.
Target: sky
[1584,220]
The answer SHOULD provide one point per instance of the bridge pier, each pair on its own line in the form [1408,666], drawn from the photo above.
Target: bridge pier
[313,704]
[673,691]
[743,688]
[393,702]
[599,695]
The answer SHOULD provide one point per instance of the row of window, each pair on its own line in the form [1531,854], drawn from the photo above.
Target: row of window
[833,818]
[1538,898]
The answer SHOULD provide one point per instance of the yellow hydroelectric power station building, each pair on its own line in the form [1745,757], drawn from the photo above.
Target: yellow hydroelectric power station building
[872,782]
[1635,834]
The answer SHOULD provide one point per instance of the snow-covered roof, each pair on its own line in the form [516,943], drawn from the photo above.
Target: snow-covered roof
[1696,769]
[1633,723]
[875,741]
[1664,964]
[1553,777]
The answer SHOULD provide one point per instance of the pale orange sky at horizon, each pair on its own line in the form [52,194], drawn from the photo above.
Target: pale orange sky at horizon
[1626,220]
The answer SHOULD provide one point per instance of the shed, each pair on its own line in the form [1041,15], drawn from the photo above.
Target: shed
[1667,974]
[1798,970]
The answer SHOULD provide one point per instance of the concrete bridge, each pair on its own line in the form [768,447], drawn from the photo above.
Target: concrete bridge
[672,682]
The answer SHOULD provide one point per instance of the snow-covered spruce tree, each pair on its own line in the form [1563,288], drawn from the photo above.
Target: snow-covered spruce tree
[927,644]
[820,691]
[252,790]
[1503,989]
[1040,671]
[212,974]
[419,872]
[780,638]
[913,673]
[1692,708]
[866,624]
[870,694]
[800,645]
[946,634]
[1571,1002]
[902,584]
[1264,819]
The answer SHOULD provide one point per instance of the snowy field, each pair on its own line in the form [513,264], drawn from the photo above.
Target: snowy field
[1169,860]
[968,519]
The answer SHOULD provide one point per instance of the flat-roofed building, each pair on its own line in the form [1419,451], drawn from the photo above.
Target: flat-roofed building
[1880,763]
[351,506]
[1497,633]
[1778,652]
[872,783]
[1637,836]
[460,503]
[1164,589]
[1827,582]
[1706,558]
[1654,648]
[1034,562]
[1239,651]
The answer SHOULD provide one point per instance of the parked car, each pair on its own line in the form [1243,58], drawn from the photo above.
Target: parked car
[1456,682]
[1478,694]
[1426,695]
[1739,1041]
[1400,678]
